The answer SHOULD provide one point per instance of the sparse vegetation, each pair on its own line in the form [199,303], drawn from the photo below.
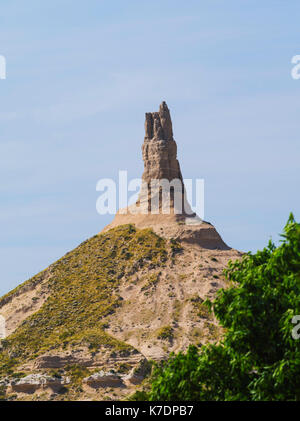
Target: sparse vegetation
[83,292]
[165,332]
[176,247]
[152,282]
[2,393]
[77,373]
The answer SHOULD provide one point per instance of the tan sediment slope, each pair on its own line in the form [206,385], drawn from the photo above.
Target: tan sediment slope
[170,298]
[24,301]
[202,233]
[86,327]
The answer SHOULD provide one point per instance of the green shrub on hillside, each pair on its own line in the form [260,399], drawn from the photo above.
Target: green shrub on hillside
[258,358]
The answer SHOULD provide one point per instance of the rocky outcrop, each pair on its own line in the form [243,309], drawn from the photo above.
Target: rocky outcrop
[160,163]
[138,373]
[162,191]
[103,379]
[158,125]
[33,382]
[159,147]
[82,357]
[162,204]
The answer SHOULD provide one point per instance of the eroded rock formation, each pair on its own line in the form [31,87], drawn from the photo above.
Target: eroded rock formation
[161,165]
[167,213]
[159,147]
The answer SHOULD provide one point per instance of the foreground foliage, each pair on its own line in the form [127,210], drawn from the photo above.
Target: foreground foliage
[258,358]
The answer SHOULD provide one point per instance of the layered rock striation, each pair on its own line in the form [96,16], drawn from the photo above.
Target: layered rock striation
[162,204]
[159,147]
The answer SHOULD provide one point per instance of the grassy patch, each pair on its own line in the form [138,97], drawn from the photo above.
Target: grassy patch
[200,307]
[152,282]
[83,292]
[214,332]
[176,247]
[77,373]
[165,332]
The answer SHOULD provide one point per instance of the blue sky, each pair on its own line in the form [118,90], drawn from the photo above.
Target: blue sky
[81,75]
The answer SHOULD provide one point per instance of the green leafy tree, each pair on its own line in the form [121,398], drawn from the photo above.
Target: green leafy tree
[258,359]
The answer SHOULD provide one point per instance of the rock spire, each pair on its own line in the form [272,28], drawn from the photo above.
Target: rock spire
[163,206]
[159,147]
[161,165]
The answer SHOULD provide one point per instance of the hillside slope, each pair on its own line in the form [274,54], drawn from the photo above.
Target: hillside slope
[89,325]
[119,297]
